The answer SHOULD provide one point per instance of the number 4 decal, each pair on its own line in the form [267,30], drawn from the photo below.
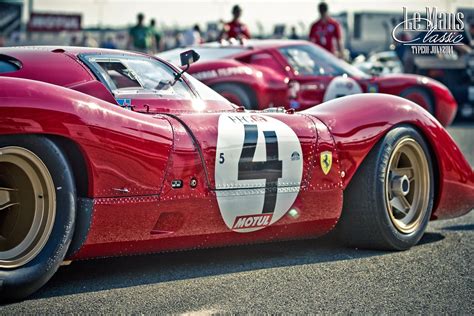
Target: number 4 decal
[270,170]
[258,170]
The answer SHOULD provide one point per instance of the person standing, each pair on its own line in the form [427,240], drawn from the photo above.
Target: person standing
[192,36]
[140,36]
[109,43]
[88,41]
[326,32]
[75,41]
[235,28]
[157,36]
[294,34]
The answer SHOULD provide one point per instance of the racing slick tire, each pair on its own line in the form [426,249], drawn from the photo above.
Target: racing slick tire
[37,213]
[235,94]
[421,97]
[389,201]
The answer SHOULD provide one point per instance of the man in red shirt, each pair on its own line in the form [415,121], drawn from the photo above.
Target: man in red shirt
[326,31]
[235,29]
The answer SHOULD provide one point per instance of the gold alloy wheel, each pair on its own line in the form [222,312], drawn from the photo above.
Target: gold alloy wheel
[407,185]
[27,206]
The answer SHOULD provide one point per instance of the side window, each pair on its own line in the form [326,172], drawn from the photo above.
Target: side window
[119,74]
[266,60]
[138,73]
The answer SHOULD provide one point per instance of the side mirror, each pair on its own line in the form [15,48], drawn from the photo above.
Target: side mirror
[188,57]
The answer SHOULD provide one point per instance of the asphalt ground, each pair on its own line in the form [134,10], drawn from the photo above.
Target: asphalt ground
[309,276]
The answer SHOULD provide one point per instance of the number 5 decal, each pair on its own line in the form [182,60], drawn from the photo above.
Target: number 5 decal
[258,170]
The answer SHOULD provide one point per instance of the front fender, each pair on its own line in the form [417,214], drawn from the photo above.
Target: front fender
[358,122]
[113,140]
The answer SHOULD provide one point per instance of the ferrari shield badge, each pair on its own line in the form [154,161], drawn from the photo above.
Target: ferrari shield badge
[326,161]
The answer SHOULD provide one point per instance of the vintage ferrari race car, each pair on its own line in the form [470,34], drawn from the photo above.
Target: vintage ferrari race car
[108,153]
[299,75]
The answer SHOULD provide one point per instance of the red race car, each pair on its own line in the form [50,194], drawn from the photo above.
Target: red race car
[108,153]
[299,75]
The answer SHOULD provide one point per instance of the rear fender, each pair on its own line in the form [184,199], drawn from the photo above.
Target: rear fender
[358,122]
[445,105]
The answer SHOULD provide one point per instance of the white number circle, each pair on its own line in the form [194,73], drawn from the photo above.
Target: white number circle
[341,86]
[258,170]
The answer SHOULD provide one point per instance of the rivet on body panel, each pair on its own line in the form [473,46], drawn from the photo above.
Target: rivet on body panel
[122,190]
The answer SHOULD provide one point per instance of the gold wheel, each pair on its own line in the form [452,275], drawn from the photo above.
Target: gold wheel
[27,206]
[407,186]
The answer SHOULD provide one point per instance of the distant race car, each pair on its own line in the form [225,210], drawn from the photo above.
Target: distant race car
[380,63]
[109,153]
[457,74]
[298,74]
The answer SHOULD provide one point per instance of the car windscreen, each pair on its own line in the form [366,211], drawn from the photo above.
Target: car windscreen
[309,60]
[140,74]
[206,53]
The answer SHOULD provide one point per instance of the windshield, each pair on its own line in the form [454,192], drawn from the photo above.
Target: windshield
[310,60]
[138,74]
[206,53]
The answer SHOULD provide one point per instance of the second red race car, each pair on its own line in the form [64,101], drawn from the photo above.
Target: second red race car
[298,74]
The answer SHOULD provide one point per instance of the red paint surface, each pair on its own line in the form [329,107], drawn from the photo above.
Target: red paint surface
[145,152]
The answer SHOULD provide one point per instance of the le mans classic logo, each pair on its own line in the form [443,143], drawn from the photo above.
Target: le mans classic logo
[433,32]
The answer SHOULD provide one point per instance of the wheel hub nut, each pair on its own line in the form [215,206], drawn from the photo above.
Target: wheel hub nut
[401,185]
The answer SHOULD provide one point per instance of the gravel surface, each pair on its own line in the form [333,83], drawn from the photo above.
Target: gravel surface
[307,276]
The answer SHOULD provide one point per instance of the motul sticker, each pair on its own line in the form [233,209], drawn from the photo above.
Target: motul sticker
[258,170]
[252,221]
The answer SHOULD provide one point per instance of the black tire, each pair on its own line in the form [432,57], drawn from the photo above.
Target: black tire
[366,219]
[237,94]
[19,282]
[423,94]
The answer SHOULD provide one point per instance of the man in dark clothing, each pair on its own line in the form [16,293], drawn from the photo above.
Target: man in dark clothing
[156,35]
[140,36]
[294,34]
